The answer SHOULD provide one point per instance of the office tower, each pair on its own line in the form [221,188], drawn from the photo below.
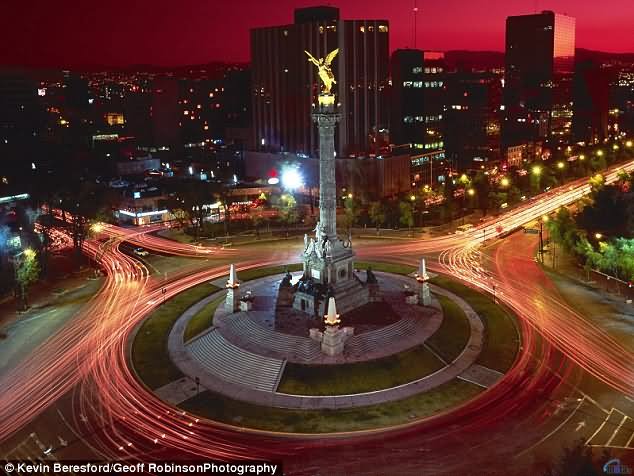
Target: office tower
[418,102]
[285,84]
[165,113]
[591,101]
[540,53]
[473,118]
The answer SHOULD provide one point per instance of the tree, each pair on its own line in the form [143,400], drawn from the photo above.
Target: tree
[191,202]
[406,215]
[577,460]
[376,212]
[287,210]
[27,272]
[352,209]
[483,188]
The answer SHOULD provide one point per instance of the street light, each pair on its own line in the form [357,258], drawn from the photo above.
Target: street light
[505,182]
[560,165]
[537,170]
[412,197]
[582,157]
[628,143]
[599,152]
[292,179]
[598,236]
[471,192]
[543,219]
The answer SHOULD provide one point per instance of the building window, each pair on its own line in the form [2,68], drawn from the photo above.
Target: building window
[417,69]
[407,84]
[408,119]
[383,28]
[362,29]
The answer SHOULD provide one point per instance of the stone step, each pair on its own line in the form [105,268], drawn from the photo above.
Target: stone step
[233,364]
[244,327]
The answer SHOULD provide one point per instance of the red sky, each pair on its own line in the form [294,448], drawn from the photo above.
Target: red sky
[176,32]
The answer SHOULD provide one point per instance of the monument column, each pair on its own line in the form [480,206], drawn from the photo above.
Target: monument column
[326,119]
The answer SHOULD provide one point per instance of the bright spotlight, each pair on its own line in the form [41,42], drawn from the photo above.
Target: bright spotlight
[292,179]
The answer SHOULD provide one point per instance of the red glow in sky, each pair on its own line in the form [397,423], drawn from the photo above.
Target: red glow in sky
[169,32]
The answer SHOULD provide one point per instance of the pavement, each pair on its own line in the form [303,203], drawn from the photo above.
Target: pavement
[48,314]
[176,392]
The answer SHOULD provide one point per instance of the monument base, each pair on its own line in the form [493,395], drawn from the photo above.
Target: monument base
[332,339]
[424,296]
[232,301]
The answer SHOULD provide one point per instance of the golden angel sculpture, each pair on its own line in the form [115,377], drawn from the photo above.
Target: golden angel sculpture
[324,70]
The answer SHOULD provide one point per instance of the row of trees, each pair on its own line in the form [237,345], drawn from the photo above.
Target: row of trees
[601,234]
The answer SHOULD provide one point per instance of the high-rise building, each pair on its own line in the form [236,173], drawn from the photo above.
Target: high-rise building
[540,53]
[473,118]
[418,103]
[284,83]
[591,101]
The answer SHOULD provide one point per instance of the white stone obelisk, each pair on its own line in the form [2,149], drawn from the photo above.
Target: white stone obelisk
[424,296]
[333,338]
[232,301]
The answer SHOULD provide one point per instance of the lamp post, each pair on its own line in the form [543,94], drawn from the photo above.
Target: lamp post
[542,220]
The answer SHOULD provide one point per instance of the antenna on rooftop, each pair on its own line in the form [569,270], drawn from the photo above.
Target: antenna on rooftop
[414,14]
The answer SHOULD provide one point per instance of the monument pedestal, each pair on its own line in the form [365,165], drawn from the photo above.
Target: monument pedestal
[328,260]
[424,296]
[333,338]
[232,301]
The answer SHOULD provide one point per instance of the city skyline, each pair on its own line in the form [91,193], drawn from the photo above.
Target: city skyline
[121,35]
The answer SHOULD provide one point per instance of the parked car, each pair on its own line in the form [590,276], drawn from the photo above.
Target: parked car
[141,252]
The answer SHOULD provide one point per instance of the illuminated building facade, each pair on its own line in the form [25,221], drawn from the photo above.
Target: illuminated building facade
[284,83]
[540,54]
[473,119]
[418,104]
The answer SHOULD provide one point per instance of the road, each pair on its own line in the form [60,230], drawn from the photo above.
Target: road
[79,388]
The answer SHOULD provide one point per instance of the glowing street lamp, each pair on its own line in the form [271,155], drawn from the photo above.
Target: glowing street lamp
[628,143]
[598,236]
[505,182]
[582,157]
[412,197]
[292,179]
[471,192]
[560,165]
[600,153]
[537,170]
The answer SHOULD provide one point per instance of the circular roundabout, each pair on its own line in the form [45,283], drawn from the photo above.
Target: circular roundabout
[258,368]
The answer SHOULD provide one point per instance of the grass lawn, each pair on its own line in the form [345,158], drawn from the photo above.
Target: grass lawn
[501,337]
[176,234]
[256,273]
[412,364]
[203,319]
[149,351]
[386,267]
[219,408]
[452,336]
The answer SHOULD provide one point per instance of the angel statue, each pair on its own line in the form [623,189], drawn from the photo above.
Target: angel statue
[324,70]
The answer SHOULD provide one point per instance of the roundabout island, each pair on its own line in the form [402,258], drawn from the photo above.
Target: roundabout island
[258,368]
[274,353]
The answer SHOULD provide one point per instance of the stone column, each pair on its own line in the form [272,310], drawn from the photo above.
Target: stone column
[326,119]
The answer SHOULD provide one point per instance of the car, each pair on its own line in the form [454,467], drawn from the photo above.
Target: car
[141,252]
[464,228]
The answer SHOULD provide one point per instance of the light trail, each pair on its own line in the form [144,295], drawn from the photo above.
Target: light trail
[125,419]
